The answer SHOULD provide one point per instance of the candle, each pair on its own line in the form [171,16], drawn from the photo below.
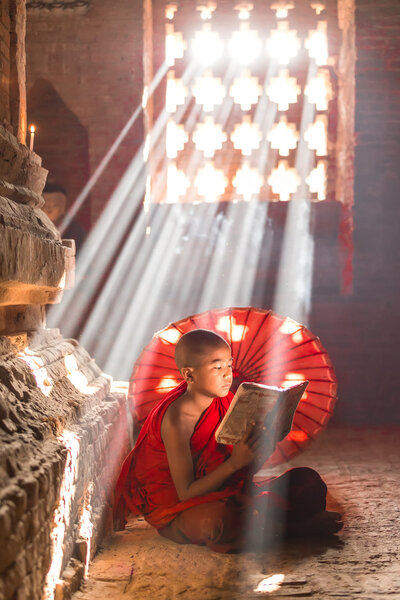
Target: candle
[32,130]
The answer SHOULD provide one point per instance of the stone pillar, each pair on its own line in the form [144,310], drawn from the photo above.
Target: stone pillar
[17,68]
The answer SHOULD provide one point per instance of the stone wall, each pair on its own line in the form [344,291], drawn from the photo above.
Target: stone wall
[33,256]
[63,433]
[62,439]
[63,428]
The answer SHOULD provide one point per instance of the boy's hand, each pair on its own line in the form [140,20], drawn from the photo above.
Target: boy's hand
[245,451]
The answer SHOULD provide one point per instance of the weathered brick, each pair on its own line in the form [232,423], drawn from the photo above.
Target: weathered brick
[17,497]
[5,522]
[31,553]
[31,487]
[41,512]
[24,591]
[26,521]
[10,550]
[44,482]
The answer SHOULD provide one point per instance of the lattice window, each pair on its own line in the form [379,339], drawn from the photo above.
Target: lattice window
[249,86]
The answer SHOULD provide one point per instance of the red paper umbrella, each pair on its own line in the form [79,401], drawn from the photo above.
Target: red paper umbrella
[266,348]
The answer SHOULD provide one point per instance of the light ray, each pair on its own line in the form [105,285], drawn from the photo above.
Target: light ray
[142,310]
[120,272]
[118,292]
[107,235]
[139,299]
[109,230]
[109,154]
[198,240]
[232,271]
[128,307]
[231,275]
[292,297]
[293,291]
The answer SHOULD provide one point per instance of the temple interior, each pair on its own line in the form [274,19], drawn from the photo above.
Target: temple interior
[172,165]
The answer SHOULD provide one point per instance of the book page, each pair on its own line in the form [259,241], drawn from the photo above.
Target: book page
[252,402]
[272,406]
[279,420]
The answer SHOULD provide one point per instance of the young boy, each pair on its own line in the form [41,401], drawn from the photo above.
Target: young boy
[194,490]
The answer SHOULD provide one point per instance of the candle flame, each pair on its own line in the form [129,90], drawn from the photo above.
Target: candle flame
[32,129]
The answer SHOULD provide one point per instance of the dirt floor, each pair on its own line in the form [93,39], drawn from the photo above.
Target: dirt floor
[362,470]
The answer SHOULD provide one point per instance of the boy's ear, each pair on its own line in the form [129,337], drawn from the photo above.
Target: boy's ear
[187,374]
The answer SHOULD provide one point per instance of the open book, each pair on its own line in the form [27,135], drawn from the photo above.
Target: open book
[270,406]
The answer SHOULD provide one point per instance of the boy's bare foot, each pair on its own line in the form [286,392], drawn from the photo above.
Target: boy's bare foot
[322,523]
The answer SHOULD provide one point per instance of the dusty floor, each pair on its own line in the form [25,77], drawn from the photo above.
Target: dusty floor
[362,469]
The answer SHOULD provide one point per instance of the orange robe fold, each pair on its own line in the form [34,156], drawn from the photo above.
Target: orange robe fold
[145,485]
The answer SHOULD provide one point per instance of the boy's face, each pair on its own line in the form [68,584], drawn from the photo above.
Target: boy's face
[212,376]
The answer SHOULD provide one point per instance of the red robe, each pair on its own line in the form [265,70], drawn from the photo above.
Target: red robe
[145,485]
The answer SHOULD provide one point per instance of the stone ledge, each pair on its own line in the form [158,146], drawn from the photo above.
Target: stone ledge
[16,293]
[19,166]
[59,377]
[20,194]
[21,318]
[35,266]
[22,217]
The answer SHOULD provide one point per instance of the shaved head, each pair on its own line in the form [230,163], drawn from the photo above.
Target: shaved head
[194,345]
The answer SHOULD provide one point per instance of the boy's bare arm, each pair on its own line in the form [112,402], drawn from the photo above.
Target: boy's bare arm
[176,437]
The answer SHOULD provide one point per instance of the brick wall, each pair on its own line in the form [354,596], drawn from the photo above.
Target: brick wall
[94,63]
[61,141]
[358,330]
[361,331]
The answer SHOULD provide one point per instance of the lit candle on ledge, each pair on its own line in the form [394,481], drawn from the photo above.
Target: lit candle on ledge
[32,138]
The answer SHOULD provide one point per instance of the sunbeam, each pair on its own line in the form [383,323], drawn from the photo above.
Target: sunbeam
[294,285]
[110,153]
